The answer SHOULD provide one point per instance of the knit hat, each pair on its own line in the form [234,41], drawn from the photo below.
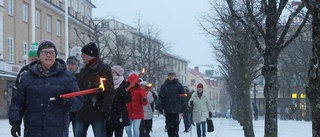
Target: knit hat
[144,83]
[200,85]
[33,50]
[118,69]
[171,73]
[132,77]
[90,49]
[72,60]
[44,44]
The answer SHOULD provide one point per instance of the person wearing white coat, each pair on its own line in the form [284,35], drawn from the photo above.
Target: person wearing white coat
[202,109]
[146,123]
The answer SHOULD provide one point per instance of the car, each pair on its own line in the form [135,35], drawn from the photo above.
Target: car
[228,115]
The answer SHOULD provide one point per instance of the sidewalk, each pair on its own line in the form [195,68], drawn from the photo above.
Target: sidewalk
[223,128]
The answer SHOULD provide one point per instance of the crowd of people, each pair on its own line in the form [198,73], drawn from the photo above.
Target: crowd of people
[123,104]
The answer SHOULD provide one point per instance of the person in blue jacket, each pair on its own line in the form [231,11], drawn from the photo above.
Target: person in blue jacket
[46,78]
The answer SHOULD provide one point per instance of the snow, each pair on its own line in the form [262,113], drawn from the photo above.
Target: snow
[224,127]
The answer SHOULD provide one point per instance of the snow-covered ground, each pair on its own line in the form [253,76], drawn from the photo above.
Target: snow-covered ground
[223,128]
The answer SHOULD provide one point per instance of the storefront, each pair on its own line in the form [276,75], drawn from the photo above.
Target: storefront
[8,73]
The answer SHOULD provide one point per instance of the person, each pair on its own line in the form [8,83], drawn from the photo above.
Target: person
[146,123]
[286,111]
[255,111]
[186,110]
[202,109]
[73,67]
[169,103]
[97,106]
[46,78]
[155,99]
[135,107]
[119,115]
[32,56]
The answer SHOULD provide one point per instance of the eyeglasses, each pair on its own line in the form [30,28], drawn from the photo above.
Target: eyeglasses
[45,53]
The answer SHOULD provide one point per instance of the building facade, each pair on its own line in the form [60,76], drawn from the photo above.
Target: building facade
[49,19]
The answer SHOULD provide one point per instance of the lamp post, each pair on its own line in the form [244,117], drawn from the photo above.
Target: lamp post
[254,93]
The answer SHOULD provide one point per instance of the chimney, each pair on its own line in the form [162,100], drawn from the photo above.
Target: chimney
[196,68]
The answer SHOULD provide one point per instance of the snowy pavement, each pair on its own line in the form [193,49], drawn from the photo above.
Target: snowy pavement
[223,128]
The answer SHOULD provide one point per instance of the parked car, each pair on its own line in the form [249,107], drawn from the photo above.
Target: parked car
[228,114]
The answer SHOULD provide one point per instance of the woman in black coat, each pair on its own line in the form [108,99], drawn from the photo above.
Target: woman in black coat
[119,115]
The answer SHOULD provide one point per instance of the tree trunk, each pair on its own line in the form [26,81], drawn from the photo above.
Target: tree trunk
[269,71]
[313,89]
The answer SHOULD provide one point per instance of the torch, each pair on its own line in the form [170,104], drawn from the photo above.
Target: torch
[84,92]
[135,80]
[149,87]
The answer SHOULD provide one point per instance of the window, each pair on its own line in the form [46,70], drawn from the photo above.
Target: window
[48,24]
[10,50]
[82,9]
[37,15]
[192,81]
[1,2]
[10,7]
[1,37]
[75,36]
[58,28]
[82,36]
[24,48]
[25,12]
[88,13]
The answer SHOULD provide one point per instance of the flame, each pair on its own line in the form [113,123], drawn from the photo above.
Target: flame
[143,70]
[149,85]
[101,86]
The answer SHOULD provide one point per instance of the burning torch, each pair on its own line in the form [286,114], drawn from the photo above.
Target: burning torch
[135,80]
[84,92]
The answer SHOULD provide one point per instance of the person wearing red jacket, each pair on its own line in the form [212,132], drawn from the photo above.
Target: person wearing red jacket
[135,107]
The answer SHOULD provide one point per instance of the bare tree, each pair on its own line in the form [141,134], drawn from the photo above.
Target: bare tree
[149,50]
[313,88]
[275,37]
[293,63]
[238,58]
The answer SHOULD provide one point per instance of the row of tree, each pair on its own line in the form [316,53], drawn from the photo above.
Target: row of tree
[131,47]
[269,38]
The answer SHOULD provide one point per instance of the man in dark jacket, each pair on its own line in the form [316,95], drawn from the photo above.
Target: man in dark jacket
[97,106]
[186,110]
[169,102]
[48,77]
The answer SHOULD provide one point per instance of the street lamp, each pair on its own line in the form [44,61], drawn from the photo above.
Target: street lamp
[254,93]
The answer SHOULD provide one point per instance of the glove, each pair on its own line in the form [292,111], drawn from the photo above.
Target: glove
[64,102]
[191,104]
[15,128]
[144,100]
[210,114]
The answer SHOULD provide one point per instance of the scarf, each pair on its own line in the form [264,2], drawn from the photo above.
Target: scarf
[117,81]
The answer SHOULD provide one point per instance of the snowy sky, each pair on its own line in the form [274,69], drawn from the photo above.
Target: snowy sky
[175,18]
[223,128]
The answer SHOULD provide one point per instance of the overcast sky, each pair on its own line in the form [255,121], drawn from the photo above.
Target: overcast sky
[175,18]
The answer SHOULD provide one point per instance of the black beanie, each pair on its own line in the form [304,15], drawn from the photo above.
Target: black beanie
[90,49]
[44,44]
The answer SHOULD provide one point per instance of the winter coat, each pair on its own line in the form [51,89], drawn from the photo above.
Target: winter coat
[147,110]
[42,117]
[135,107]
[119,114]
[169,96]
[202,107]
[185,106]
[98,104]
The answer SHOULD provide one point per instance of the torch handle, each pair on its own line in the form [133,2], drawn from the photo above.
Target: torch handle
[79,93]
